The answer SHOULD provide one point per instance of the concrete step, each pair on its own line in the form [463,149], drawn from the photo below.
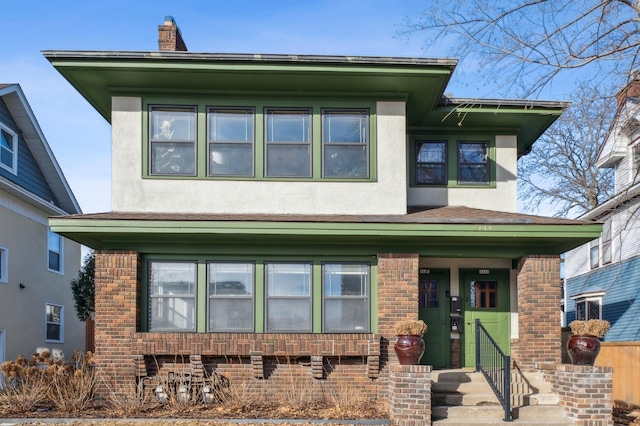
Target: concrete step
[494,414]
[467,387]
[484,422]
[471,399]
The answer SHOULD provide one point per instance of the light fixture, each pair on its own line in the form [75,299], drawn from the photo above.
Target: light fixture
[22,286]
[161,395]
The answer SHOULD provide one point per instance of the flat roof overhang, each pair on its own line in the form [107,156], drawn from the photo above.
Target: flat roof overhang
[330,238]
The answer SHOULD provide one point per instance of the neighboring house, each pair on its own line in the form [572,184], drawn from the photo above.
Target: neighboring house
[36,265]
[280,213]
[603,276]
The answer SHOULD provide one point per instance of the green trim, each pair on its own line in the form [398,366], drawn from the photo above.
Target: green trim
[259,104]
[259,298]
[452,141]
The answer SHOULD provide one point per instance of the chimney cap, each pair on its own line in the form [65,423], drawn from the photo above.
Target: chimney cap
[168,20]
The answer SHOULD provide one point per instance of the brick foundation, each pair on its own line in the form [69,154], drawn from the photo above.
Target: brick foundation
[585,392]
[410,395]
[539,295]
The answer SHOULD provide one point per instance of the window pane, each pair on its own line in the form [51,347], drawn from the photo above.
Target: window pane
[346,127]
[53,331]
[581,311]
[231,125]
[431,163]
[227,314]
[54,261]
[428,294]
[230,279]
[594,310]
[595,255]
[168,158]
[173,313]
[346,315]
[288,279]
[288,126]
[53,241]
[346,280]
[230,159]
[345,161]
[172,278]
[288,315]
[176,124]
[6,148]
[53,313]
[288,160]
[473,162]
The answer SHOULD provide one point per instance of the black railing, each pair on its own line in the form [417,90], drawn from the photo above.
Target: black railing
[495,366]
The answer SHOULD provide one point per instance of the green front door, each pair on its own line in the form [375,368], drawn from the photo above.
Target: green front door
[485,296]
[434,311]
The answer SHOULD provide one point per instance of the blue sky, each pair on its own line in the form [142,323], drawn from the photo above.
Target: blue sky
[80,137]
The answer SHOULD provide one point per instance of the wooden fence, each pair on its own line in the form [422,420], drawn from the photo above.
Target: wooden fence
[624,357]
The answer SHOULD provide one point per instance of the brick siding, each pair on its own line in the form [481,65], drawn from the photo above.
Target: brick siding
[539,295]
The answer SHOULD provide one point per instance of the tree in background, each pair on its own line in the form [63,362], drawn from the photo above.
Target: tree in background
[83,288]
[531,42]
[592,45]
[561,168]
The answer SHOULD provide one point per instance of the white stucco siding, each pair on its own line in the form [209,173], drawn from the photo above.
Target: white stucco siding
[132,193]
[23,233]
[502,197]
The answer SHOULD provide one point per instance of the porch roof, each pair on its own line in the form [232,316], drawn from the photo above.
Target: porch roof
[442,231]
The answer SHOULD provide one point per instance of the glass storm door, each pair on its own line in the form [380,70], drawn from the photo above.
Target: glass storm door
[485,296]
[433,287]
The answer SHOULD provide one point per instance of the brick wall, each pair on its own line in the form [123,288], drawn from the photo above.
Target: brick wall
[585,392]
[410,395]
[539,295]
[116,315]
[124,354]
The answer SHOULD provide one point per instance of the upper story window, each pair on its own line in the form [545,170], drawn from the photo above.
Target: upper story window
[431,163]
[635,154]
[451,162]
[288,142]
[345,136]
[606,242]
[473,163]
[54,246]
[261,141]
[173,141]
[231,141]
[54,320]
[8,149]
[4,265]
[594,254]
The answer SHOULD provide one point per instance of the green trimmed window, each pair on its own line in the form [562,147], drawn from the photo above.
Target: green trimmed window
[260,139]
[172,296]
[230,141]
[345,146]
[451,162]
[173,141]
[431,162]
[473,163]
[288,142]
[265,296]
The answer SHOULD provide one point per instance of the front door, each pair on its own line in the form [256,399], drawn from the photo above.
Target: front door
[434,311]
[485,295]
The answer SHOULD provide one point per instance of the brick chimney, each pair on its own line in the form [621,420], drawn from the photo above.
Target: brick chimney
[631,90]
[169,37]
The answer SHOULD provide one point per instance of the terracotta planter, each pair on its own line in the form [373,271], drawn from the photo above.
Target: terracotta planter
[583,350]
[409,349]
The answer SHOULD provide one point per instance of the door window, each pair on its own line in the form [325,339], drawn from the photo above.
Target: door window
[484,294]
[429,294]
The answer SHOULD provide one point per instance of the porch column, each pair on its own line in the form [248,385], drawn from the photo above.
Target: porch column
[117,279]
[539,296]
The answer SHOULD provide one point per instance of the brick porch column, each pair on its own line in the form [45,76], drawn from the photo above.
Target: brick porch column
[117,282]
[539,295]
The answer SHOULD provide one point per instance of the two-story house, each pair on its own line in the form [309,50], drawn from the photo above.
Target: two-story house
[276,215]
[36,265]
[602,276]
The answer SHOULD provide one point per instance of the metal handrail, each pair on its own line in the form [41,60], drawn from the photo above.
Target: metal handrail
[492,362]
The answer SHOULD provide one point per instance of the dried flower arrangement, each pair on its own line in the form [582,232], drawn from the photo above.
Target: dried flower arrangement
[411,327]
[593,327]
